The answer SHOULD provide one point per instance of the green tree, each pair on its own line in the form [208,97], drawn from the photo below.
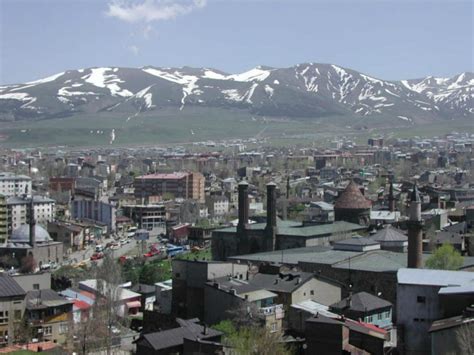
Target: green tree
[257,341]
[445,258]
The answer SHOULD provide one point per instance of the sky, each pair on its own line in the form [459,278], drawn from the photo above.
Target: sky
[393,40]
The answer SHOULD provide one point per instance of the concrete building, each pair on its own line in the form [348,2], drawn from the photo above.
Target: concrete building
[12,306]
[3,219]
[425,296]
[12,184]
[96,211]
[179,185]
[49,315]
[149,217]
[18,210]
[218,207]
[189,281]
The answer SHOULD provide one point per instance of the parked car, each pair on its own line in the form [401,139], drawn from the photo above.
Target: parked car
[97,256]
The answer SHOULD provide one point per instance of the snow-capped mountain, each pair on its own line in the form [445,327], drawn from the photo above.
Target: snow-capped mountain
[305,90]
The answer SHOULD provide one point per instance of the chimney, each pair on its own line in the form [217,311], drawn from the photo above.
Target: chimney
[243,205]
[32,222]
[415,226]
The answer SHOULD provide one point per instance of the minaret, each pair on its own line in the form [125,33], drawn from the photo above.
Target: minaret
[391,199]
[32,222]
[271,227]
[415,235]
[242,225]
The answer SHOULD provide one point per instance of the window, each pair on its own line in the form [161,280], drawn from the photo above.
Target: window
[17,314]
[421,299]
[274,327]
[312,292]
[370,319]
[48,330]
[379,316]
[3,317]
[387,314]
[36,286]
[63,328]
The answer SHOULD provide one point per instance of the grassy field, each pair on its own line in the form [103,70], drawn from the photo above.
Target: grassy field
[187,126]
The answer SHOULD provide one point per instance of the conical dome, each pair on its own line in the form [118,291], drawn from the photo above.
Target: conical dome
[352,198]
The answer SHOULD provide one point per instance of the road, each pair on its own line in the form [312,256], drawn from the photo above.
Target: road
[85,255]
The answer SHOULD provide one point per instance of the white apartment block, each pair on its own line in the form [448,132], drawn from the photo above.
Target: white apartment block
[14,185]
[18,208]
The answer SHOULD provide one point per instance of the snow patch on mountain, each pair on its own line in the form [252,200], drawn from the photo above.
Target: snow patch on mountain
[98,78]
[269,90]
[257,74]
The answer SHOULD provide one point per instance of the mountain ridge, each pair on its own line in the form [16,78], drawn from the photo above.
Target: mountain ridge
[303,90]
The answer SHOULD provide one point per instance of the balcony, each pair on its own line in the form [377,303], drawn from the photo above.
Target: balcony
[276,310]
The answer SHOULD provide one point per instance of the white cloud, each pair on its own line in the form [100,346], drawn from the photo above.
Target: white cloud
[134,49]
[135,11]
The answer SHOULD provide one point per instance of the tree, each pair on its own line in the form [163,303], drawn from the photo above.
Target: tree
[445,258]
[465,338]
[28,264]
[256,341]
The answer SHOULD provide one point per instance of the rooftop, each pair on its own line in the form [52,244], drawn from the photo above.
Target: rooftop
[442,278]
[352,198]
[173,176]
[361,302]
[175,337]
[9,287]
[297,229]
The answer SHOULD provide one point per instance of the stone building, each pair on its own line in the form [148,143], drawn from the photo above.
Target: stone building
[274,234]
[352,206]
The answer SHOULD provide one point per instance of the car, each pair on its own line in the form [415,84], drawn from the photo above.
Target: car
[115,246]
[97,256]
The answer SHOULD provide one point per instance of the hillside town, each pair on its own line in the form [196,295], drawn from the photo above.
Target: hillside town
[360,248]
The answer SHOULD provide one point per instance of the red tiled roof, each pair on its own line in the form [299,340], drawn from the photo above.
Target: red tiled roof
[81,304]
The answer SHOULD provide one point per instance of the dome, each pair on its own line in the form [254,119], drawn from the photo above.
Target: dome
[22,234]
[352,198]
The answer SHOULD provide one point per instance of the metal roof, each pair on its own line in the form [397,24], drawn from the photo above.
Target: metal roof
[442,278]
[9,287]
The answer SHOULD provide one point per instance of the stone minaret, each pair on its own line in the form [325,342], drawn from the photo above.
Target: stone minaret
[32,222]
[391,199]
[271,227]
[415,235]
[242,225]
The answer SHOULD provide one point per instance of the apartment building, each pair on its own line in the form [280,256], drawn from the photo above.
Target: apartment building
[179,185]
[12,184]
[3,219]
[18,210]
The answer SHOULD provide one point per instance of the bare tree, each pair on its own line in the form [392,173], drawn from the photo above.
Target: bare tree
[465,338]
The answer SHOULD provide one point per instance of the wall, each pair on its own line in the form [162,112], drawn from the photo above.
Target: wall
[26,281]
[323,292]
[414,318]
